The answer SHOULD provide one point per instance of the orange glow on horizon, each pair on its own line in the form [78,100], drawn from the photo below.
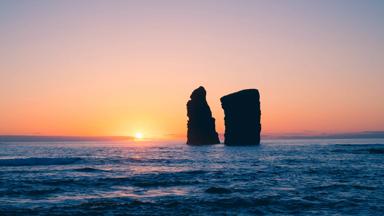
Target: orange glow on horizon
[113,69]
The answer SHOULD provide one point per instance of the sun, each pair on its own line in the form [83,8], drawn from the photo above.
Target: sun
[139,135]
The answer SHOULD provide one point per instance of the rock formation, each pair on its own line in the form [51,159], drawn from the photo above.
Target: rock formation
[242,117]
[201,125]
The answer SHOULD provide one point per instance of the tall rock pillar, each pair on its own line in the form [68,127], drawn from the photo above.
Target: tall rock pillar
[242,117]
[201,124]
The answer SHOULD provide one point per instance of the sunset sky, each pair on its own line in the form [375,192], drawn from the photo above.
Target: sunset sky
[128,67]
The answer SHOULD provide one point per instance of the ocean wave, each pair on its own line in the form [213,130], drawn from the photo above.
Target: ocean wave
[376,150]
[359,148]
[339,186]
[218,190]
[152,160]
[30,192]
[89,169]
[165,179]
[37,161]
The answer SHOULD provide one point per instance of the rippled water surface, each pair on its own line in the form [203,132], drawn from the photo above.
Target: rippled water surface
[319,177]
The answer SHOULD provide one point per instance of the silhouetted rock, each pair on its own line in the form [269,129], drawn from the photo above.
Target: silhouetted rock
[201,125]
[242,117]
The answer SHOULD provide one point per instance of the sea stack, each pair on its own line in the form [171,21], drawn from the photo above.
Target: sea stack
[242,117]
[201,124]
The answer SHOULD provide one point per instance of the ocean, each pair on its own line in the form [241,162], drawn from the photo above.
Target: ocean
[279,177]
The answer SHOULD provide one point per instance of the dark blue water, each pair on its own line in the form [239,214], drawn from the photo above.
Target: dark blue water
[307,177]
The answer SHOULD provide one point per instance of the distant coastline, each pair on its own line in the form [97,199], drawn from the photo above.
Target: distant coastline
[354,135]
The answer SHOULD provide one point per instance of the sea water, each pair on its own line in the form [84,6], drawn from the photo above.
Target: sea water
[307,177]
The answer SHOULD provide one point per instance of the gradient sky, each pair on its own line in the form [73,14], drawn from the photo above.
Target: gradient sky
[119,67]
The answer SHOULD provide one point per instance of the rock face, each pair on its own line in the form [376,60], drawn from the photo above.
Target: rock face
[242,117]
[201,124]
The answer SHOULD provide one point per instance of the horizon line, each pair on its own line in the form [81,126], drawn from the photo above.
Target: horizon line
[50,138]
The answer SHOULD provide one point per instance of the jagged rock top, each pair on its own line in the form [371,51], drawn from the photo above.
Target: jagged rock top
[199,93]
